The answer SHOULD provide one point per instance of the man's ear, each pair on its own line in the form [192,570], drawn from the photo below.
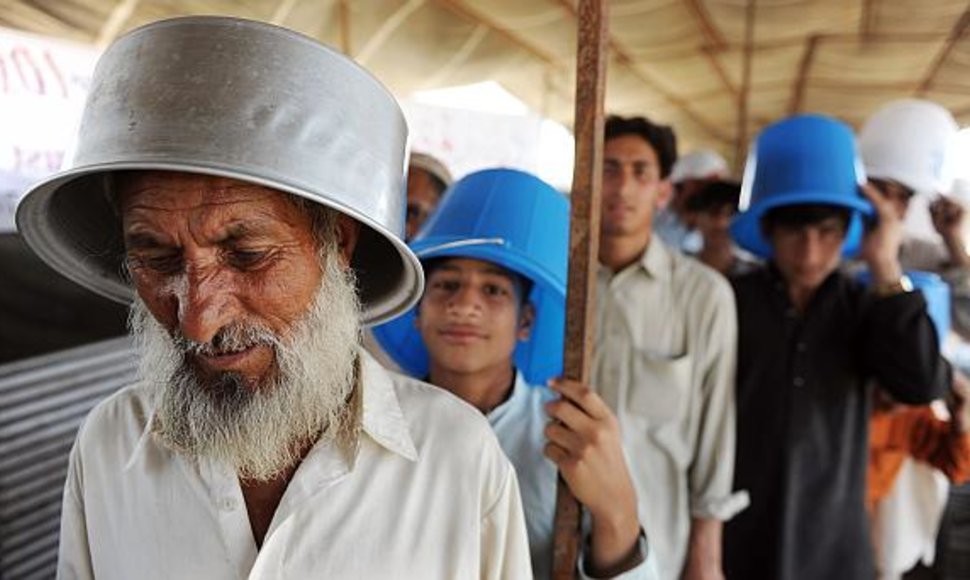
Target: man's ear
[665,192]
[527,318]
[348,232]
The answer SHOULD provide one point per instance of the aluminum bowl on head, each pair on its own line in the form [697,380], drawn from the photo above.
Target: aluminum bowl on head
[240,99]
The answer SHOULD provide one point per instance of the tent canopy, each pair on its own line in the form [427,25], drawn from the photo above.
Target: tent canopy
[680,62]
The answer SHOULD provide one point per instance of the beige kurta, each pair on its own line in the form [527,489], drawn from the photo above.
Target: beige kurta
[665,363]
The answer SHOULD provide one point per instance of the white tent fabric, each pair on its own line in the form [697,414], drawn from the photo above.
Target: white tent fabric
[679,61]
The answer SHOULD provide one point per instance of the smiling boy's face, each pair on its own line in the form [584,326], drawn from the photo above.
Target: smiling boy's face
[472,316]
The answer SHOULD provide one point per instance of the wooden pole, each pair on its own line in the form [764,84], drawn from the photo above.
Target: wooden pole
[591,53]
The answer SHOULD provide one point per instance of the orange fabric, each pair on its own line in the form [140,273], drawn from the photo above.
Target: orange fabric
[913,432]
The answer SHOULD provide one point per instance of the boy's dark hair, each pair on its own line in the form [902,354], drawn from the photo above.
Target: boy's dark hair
[660,137]
[801,215]
[714,196]
[522,285]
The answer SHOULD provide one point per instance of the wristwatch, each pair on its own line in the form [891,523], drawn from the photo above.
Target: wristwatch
[903,284]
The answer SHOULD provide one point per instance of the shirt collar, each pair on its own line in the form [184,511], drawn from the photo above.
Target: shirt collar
[145,438]
[778,283]
[656,259]
[382,418]
[519,391]
[655,262]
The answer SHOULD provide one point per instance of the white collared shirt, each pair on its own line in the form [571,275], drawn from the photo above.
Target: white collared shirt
[429,494]
[519,422]
[665,363]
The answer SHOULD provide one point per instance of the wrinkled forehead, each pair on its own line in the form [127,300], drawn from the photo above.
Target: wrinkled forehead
[180,190]
[169,206]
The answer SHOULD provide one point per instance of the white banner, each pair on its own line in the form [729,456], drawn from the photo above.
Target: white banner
[43,83]
[467,141]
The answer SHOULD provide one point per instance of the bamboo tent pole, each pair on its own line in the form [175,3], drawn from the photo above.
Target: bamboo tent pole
[591,55]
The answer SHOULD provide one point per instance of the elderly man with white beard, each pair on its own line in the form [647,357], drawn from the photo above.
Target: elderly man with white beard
[252,214]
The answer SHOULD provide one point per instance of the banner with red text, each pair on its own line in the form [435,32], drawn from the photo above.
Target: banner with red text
[43,82]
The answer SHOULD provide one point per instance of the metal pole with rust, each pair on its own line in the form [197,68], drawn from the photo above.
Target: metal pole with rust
[591,54]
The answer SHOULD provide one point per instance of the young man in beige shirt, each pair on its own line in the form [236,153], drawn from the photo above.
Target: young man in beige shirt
[665,358]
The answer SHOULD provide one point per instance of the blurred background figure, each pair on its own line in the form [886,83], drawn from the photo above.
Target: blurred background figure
[690,174]
[904,149]
[428,178]
[914,453]
[711,210]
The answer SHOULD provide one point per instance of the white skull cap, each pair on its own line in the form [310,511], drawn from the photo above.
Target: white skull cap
[432,165]
[908,141]
[701,164]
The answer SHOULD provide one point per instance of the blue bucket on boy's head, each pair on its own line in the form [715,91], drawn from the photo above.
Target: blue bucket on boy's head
[512,219]
[935,291]
[806,159]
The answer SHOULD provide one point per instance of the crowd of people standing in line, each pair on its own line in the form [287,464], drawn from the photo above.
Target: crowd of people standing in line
[745,334]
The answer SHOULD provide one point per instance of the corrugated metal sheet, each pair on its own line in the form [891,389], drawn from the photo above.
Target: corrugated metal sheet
[42,402]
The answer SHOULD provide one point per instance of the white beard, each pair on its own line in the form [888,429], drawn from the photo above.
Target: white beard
[258,430]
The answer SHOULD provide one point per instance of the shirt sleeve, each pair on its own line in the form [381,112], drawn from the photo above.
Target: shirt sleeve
[505,544]
[74,555]
[902,351]
[712,471]
[646,568]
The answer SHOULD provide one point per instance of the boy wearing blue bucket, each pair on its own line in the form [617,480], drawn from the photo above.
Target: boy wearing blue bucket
[489,328]
[811,339]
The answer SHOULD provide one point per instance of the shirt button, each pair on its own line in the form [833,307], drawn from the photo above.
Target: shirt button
[791,312]
[228,504]
[801,347]
[798,382]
